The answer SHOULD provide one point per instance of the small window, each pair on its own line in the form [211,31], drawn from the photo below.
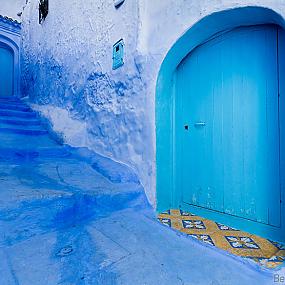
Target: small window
[43,10]
[118,3]
[118,54]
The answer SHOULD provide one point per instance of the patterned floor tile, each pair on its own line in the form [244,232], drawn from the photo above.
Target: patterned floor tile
[277,258]
[241,242]
[193,224]
[278,245]
[176,224]
[165,212]
[166,222]
[175,213]
[186,214]
[266,252]
[267,262]
[266,247]
[205,238]
[281,254]
[224,227]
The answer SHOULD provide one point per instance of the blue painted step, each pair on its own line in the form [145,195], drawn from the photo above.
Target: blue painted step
[10,99]
[14,140]
[30,153]
[19,122]
[15,107]
[23,131]
[25,127]
[19,114]
[18,119]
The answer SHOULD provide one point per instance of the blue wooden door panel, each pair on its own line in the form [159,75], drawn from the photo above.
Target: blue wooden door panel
[6,72]
[231,164]
[281,65]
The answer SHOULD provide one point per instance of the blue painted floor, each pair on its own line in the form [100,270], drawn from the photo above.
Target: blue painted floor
[69,216]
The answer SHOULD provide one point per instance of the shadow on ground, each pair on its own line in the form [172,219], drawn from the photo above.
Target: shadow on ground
[70,216]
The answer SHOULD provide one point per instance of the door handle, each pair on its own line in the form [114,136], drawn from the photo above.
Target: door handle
[200,124]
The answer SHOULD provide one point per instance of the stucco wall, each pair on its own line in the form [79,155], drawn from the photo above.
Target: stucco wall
[68,65]
[11,8]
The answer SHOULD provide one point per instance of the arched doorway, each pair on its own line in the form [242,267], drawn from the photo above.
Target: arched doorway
[220,134]
[6,71]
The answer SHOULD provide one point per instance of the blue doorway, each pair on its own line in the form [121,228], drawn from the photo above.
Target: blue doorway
[6,72]
[227,136]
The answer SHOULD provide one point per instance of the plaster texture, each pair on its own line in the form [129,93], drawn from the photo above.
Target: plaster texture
[11,8]
[67,65]
[71,216]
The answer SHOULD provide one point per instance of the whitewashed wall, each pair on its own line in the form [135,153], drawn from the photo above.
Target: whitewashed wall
[11,8]
[68,66]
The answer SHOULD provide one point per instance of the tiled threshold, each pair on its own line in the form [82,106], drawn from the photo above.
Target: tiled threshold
[267,253]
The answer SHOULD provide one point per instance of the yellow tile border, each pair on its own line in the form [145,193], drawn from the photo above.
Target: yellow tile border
[267,254]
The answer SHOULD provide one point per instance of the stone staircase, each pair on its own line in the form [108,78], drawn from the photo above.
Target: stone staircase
[24,137]
[22,133]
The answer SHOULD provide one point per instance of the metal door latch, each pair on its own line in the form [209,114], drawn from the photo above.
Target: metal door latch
[200,124]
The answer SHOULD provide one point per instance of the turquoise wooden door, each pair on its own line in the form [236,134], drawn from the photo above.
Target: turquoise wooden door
[6,72]
[227,128]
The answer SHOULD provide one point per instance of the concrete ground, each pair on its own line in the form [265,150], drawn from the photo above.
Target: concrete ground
[69,216]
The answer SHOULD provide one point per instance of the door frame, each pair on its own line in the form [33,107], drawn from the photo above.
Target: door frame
[3,46]
[11,45]
[168,195]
